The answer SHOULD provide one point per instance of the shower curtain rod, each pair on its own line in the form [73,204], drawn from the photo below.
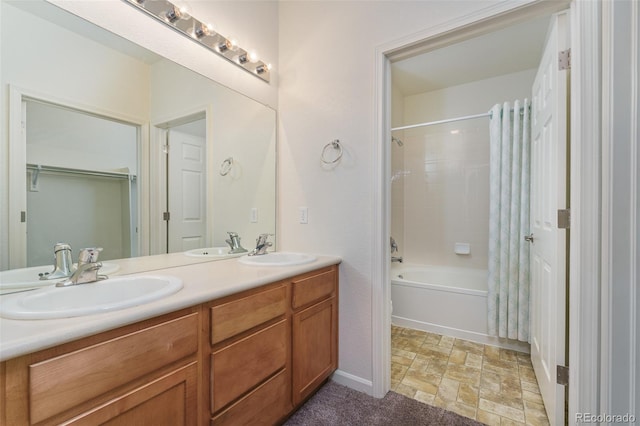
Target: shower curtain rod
[448,120]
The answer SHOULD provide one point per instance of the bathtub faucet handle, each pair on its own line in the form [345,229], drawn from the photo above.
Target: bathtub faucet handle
[396,259]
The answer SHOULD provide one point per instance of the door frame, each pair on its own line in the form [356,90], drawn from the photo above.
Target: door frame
[18,159]
[158,173]
[584,261]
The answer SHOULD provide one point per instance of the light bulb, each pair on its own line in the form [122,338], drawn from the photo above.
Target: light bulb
[253,57]
[232,44]
[201,30]
[223,46]
[262,68]
[184,8]
[173,15]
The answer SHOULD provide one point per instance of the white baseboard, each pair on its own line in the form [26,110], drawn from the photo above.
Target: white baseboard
[353,382]
[472,336]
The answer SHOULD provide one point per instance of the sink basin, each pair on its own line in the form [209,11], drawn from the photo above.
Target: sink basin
[278,258]
[85,299]
[30,278]
[211,252]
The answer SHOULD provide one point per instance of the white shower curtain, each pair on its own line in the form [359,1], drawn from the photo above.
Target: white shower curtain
[508,303]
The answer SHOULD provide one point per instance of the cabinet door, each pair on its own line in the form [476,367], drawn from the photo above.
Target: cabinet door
[315,347]
[168,400]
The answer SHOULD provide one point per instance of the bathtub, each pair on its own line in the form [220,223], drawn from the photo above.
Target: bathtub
[444,300]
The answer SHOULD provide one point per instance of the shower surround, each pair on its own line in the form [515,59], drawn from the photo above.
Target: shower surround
[440,197]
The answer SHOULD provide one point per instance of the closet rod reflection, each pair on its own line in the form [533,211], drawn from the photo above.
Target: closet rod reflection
[68,170]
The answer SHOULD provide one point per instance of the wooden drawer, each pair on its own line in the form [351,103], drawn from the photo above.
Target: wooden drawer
[65,381]
[313,288]
[240,315]
[168,400]
[242,365]
[266,405]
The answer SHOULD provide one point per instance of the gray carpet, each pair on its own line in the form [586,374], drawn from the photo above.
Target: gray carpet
[337,405]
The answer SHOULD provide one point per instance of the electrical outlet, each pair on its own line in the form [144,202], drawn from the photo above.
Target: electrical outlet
[303,214]
[253,218]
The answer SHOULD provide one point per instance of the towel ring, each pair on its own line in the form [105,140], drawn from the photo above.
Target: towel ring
[335,144]
[225,167]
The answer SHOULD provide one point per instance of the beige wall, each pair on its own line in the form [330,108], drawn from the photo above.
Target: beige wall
[444,171]
[327,91]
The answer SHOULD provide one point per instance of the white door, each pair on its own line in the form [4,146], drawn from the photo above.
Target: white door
[548,194]
[186,191]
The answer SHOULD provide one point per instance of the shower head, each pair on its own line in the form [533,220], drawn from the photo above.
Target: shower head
[396,140]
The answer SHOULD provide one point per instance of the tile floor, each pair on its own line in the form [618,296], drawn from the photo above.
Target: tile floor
[491,385]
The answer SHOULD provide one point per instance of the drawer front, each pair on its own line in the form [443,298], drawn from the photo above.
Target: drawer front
[168,400]
[63,382]
[239,367]
[266,405]
[240,315]
[313,288]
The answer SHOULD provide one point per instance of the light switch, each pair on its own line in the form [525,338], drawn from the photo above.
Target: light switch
[303,213]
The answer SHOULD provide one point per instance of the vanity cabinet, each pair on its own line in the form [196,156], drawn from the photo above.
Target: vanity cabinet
[248,358]
[315,330]
[249,361]
[143,371]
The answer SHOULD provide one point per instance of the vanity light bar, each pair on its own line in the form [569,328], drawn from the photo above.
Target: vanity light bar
[180,20]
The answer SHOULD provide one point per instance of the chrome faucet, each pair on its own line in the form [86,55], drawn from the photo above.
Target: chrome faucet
[234,243]
[62,267]
[87,270]
[261,245]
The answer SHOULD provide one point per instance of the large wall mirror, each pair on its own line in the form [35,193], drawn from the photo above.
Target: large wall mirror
[113,146]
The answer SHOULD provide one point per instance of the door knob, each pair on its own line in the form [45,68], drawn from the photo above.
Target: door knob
[529,238]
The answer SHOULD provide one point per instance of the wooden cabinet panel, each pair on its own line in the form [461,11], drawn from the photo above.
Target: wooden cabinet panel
[266,405]
[240,315]
[313,288]
[242,365]
[252,359]
[315,347]
[169,400]
[65,381]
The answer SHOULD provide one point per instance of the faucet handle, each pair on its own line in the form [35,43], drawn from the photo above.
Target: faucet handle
[262,243]
[264,237]
[89,255]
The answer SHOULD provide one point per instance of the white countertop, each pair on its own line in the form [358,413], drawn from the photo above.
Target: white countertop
[203,281]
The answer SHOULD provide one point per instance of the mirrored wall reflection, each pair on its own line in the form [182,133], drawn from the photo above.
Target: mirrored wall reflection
[68,66]
[81,182]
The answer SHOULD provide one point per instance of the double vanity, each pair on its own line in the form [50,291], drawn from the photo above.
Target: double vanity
[240,341]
